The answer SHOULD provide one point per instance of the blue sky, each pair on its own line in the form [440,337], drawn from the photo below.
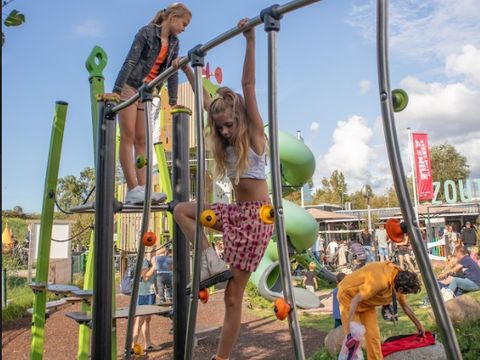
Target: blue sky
[327,78]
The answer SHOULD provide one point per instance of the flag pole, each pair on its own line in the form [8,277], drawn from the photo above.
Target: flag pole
[414,179]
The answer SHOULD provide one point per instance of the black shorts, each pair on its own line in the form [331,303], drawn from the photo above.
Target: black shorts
[403,251]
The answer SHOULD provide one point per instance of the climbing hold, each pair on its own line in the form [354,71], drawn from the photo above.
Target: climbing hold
[281,309]
[400,100]
[149,238]
[267,214]
[208,218]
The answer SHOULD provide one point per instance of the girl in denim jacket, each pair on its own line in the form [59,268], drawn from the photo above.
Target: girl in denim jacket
[153,50]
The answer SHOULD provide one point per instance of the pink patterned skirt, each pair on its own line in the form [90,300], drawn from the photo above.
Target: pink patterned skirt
[245,235]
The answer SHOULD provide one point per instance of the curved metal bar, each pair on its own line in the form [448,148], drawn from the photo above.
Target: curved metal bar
[193,304]
[145,222]
[220,39]
[282,246]
[399,179]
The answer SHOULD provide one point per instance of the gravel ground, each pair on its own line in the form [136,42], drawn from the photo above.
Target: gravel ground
[260,338]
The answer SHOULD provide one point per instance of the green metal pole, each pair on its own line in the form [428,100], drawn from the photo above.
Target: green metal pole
[4,288]
[46,223]
[165,179]
[96,62]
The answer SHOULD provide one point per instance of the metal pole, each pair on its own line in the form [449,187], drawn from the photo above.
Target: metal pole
[146,96]
[181,248]
[102,313]
[302,198]
[394,155]
[46,223]
[272,25]
[197,63]
[4,288]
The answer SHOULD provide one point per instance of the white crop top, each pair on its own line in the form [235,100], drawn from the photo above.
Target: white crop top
[256,169]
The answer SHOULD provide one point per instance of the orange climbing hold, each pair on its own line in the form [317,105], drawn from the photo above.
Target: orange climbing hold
[281,308]
[208,218]
[149,238]
[203,295]
[266,213]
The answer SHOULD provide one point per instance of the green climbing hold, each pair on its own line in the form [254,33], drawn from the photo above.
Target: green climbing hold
[400,100]
[140,161]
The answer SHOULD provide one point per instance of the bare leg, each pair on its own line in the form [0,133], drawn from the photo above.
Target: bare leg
[127,120]
[400,258]
[184,214]
[136,329]
[146,332]
[139,144]
[233,312]
[409,263]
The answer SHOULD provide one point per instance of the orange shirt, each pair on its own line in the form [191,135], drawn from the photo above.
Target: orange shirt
[374,281]
[162,55]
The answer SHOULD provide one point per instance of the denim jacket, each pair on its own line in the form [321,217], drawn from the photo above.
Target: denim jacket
[142,56]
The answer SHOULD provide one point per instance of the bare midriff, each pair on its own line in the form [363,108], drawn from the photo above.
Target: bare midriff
[251,190]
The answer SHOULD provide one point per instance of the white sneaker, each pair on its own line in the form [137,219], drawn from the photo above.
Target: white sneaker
[136,196]
[157,197]
[213,270]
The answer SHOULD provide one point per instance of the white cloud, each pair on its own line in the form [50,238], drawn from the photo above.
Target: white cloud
[365,85]
[422,30]
[467,63]
[89,28]
[314,128]
[350,151]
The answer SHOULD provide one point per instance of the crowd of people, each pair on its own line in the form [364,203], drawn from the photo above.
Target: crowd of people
[368,247]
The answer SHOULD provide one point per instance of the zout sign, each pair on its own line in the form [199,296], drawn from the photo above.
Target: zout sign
[464,192]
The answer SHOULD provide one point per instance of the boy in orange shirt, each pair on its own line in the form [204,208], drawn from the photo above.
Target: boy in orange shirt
[362,291]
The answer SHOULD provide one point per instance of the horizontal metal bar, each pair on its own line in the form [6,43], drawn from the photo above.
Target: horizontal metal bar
[220,39]
[123,208]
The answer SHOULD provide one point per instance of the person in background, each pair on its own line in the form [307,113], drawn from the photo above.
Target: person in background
[366,241]
[164,266]
[332,248]
[310,278]
[474,254]
[404,254]
[382,240]
[471,271]
[146,296]
[359,254]
[335,307]
[315,248]
[469,236]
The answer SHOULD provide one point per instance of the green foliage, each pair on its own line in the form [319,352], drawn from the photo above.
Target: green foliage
[322,355]
[20,298]
[73,191]
[14,18]
[448,164]
[333,191]
[255,301]
[468,335]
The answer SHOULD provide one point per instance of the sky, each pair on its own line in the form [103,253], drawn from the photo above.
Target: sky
[327,78]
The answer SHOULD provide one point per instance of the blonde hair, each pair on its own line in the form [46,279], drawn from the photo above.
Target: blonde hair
[474,249]
[311,266]
[228,100]
[175,9]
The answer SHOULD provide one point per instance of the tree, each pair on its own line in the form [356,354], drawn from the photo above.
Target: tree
[448,164]
[14,18]
[333,191]
[73,191]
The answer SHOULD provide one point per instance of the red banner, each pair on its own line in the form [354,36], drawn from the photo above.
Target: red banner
[423,166]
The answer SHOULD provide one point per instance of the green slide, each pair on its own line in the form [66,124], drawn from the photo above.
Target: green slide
[298,165]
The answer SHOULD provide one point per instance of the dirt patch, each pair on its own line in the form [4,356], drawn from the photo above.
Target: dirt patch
[260,338]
